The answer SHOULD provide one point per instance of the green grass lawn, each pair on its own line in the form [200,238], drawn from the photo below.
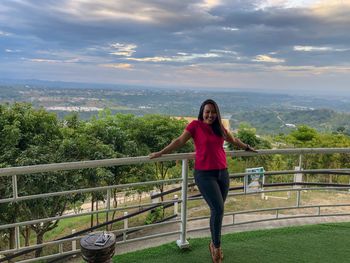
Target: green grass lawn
[312,243]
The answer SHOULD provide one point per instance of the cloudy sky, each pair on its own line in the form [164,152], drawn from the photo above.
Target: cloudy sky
[301,45]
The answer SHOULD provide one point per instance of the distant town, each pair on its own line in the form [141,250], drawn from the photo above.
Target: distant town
[269,113]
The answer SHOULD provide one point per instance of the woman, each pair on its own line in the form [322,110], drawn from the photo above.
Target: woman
[210,171]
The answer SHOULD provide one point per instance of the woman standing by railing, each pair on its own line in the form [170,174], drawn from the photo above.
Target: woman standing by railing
[210,171]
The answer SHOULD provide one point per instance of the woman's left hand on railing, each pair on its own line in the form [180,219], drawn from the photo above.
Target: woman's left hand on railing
[155,155]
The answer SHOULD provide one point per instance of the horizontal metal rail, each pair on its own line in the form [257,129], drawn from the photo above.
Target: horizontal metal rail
[58,255]
[270,219]
[257,211]
[87,190]
[41,168]
[343,171]
[103,211]
[60,241]
[278,190]
[32,169]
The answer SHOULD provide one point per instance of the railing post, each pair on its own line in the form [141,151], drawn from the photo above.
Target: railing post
[60,248]
[155,200]
[298,177]
[15,195]
[262,187]
[298,197]
[125,227]
[14,187]
[301,161]
[176,205]
[182,242]
[108,206]
[17,238]
[74,243]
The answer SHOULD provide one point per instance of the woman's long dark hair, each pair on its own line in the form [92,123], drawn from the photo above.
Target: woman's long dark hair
[217,126]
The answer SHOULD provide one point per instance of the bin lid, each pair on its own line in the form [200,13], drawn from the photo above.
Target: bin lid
[88,242]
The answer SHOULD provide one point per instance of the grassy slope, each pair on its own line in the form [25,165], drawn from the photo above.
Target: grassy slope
[315,243]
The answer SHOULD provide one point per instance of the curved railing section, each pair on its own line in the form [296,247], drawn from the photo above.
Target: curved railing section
[293,191]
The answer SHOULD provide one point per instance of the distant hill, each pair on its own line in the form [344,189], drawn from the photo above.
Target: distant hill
[268,121]
[268,112]
[59,84]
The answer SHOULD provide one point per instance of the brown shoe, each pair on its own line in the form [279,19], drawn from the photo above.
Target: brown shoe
[216,253]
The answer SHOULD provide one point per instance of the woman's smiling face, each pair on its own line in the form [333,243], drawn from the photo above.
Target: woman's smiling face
[209,114]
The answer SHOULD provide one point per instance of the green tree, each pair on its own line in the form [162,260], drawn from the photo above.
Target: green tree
[308,137]
[247,134]
[118,131]
[157,131]
[28,136]
[82,143]
[302,136]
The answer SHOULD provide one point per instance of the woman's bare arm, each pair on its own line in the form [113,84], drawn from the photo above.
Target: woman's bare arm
[175,144]
[239,143]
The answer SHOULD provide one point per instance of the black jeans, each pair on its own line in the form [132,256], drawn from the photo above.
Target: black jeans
[214,185]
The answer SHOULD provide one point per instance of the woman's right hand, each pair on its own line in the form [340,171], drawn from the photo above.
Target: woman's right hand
[155,155]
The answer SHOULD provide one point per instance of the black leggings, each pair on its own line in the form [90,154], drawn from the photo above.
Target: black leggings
[214,185]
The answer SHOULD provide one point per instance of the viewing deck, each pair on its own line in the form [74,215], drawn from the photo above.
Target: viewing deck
[289,197]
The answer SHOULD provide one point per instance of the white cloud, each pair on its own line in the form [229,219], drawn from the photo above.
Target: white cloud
[205,55]
[310,69]
[230,28]
[152,59]
[44,60]
[335,10]
[5,34]
[287,3]
[229,52]
[313,48]
[71,56]
[100,10]
[182,57]
[209,4]
[123,49]
[268,59]
[117,65]
[139,11]
[7,50]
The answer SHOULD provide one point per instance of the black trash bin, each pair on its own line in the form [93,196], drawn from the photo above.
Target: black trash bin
[98,247]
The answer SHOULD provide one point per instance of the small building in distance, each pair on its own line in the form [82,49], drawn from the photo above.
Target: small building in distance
[290,125]
[225,122]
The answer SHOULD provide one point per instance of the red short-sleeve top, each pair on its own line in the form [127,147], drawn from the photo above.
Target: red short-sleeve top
[210,153]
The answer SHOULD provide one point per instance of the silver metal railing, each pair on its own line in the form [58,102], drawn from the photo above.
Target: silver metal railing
[15,172]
